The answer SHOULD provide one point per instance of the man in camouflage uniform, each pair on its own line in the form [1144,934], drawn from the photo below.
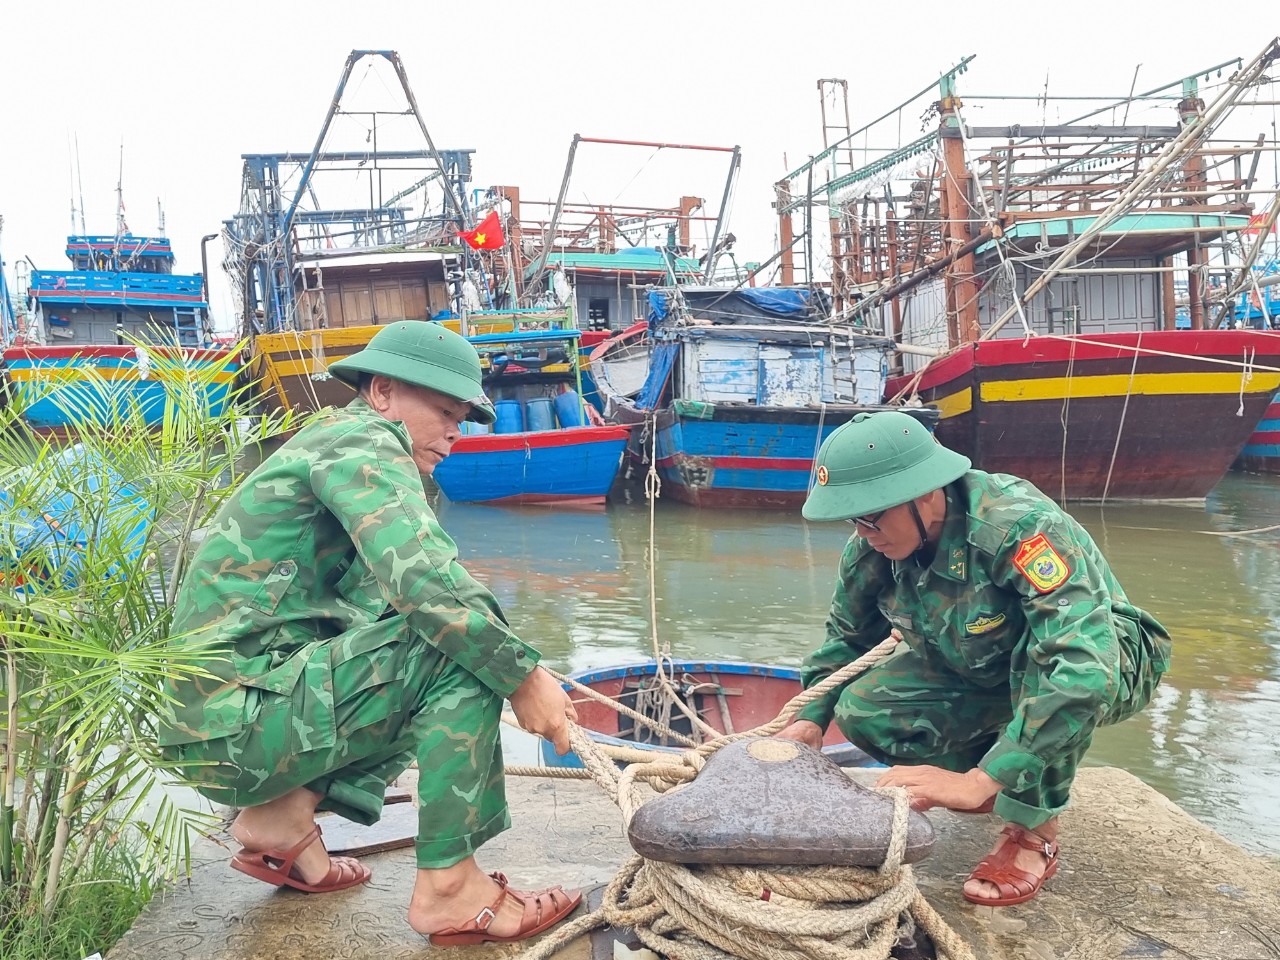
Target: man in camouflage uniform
[345,641]
[1019,640]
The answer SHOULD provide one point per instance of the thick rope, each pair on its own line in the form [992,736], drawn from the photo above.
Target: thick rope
[717,912]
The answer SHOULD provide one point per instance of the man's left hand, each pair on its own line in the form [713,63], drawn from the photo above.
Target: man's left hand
[935,787]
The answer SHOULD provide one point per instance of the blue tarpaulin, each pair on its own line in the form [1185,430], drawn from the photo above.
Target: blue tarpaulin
[756,304]
[657,309]
[660,363]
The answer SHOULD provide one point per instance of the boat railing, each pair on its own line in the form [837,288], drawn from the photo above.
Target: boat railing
[124,246]
[52,284]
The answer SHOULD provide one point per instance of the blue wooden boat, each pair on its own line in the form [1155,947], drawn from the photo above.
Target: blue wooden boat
[120,292]
[58,392]
[547,446]
[743,386]
[729,696]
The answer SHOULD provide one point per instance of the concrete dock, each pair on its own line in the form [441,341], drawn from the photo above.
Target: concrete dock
[1139,879]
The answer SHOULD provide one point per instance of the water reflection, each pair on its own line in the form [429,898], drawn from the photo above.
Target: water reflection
[756,586]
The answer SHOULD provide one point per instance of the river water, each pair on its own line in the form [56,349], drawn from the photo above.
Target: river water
[745,585]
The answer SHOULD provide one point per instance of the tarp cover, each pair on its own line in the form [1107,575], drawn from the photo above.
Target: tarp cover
[756,304]
[660,363]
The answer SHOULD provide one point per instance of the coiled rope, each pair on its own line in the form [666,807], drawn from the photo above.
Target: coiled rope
[717,912]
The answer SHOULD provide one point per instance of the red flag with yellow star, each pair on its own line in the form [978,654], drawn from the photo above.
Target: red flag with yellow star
[487,236]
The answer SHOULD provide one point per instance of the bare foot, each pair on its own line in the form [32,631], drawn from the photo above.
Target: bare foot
[453,897]
[279,825]
[1033,862]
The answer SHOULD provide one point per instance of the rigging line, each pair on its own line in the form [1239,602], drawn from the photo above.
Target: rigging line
[661,652]
[1235,364]
[991,220]
[1124,410]
[639,170]
[1245,376]
[1066,417]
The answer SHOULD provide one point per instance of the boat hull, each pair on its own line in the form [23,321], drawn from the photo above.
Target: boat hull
[1261,454]
[746,456]
[1156,415]
[571,467]
[754,693]
[57,394]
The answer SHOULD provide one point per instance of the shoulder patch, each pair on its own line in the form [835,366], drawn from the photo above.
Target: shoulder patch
[1040,563]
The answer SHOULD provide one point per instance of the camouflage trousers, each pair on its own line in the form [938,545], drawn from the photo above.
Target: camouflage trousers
[912,709]
[399,700]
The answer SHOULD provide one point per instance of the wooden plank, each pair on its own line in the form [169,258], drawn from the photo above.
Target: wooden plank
[397,829]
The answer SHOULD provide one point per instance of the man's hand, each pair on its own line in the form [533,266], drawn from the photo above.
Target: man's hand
[802,731]
[935,787]
[543,707]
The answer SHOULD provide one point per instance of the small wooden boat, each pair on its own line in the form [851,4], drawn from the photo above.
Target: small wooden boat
[730,697]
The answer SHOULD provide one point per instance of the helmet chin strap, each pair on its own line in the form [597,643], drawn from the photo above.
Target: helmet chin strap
[922,549]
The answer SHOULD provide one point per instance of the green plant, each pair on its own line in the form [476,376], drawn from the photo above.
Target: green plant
[95,528]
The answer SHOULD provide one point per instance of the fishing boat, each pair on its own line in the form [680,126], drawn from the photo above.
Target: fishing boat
[741,389]
[730,697]
[1028,273]
[123,314]
[547,446]
[331,243]
[1258,307]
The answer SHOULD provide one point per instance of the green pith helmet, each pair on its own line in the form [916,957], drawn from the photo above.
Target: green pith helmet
[877,461]
[425,354]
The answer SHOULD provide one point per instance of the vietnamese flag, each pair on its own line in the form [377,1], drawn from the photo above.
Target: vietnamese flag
[487,236]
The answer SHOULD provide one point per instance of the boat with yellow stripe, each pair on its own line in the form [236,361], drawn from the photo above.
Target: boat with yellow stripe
[1122,415]
[291,369]
[62,387]
[1035,276]
[118,332]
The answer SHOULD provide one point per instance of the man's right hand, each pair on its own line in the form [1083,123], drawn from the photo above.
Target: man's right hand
[804,731]
[542,706]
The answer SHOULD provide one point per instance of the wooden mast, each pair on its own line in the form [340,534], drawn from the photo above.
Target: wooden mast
[961,288]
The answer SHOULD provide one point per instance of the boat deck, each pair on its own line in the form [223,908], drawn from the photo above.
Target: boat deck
[1139,878]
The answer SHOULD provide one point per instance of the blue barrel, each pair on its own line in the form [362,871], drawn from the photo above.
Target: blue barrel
[510,416]
[539,414]
[569,409]
[472,429]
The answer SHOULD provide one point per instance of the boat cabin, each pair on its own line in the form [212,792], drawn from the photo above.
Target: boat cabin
[120,288]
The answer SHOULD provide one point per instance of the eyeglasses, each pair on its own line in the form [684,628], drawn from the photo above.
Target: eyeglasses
[868,522]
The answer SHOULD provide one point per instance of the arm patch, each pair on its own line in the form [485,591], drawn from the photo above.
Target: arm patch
[1041,564]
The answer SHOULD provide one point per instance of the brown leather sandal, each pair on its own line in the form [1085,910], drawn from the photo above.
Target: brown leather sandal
[1015,885]
[276,867]
[543,909]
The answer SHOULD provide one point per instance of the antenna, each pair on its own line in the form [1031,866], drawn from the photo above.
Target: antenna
[71,182]
[80,182]
[160,214]
[121,226]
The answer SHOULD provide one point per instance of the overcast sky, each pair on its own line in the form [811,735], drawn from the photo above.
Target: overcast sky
[190,86]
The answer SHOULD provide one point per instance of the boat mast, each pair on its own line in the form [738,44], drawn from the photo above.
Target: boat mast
[956,196]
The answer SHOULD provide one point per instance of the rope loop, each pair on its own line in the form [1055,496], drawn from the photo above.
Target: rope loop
[727,912]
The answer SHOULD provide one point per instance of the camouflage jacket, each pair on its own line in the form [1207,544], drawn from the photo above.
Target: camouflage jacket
[325,536]
[1016,586]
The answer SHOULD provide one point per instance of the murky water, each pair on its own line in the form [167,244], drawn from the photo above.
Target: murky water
[756,586]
